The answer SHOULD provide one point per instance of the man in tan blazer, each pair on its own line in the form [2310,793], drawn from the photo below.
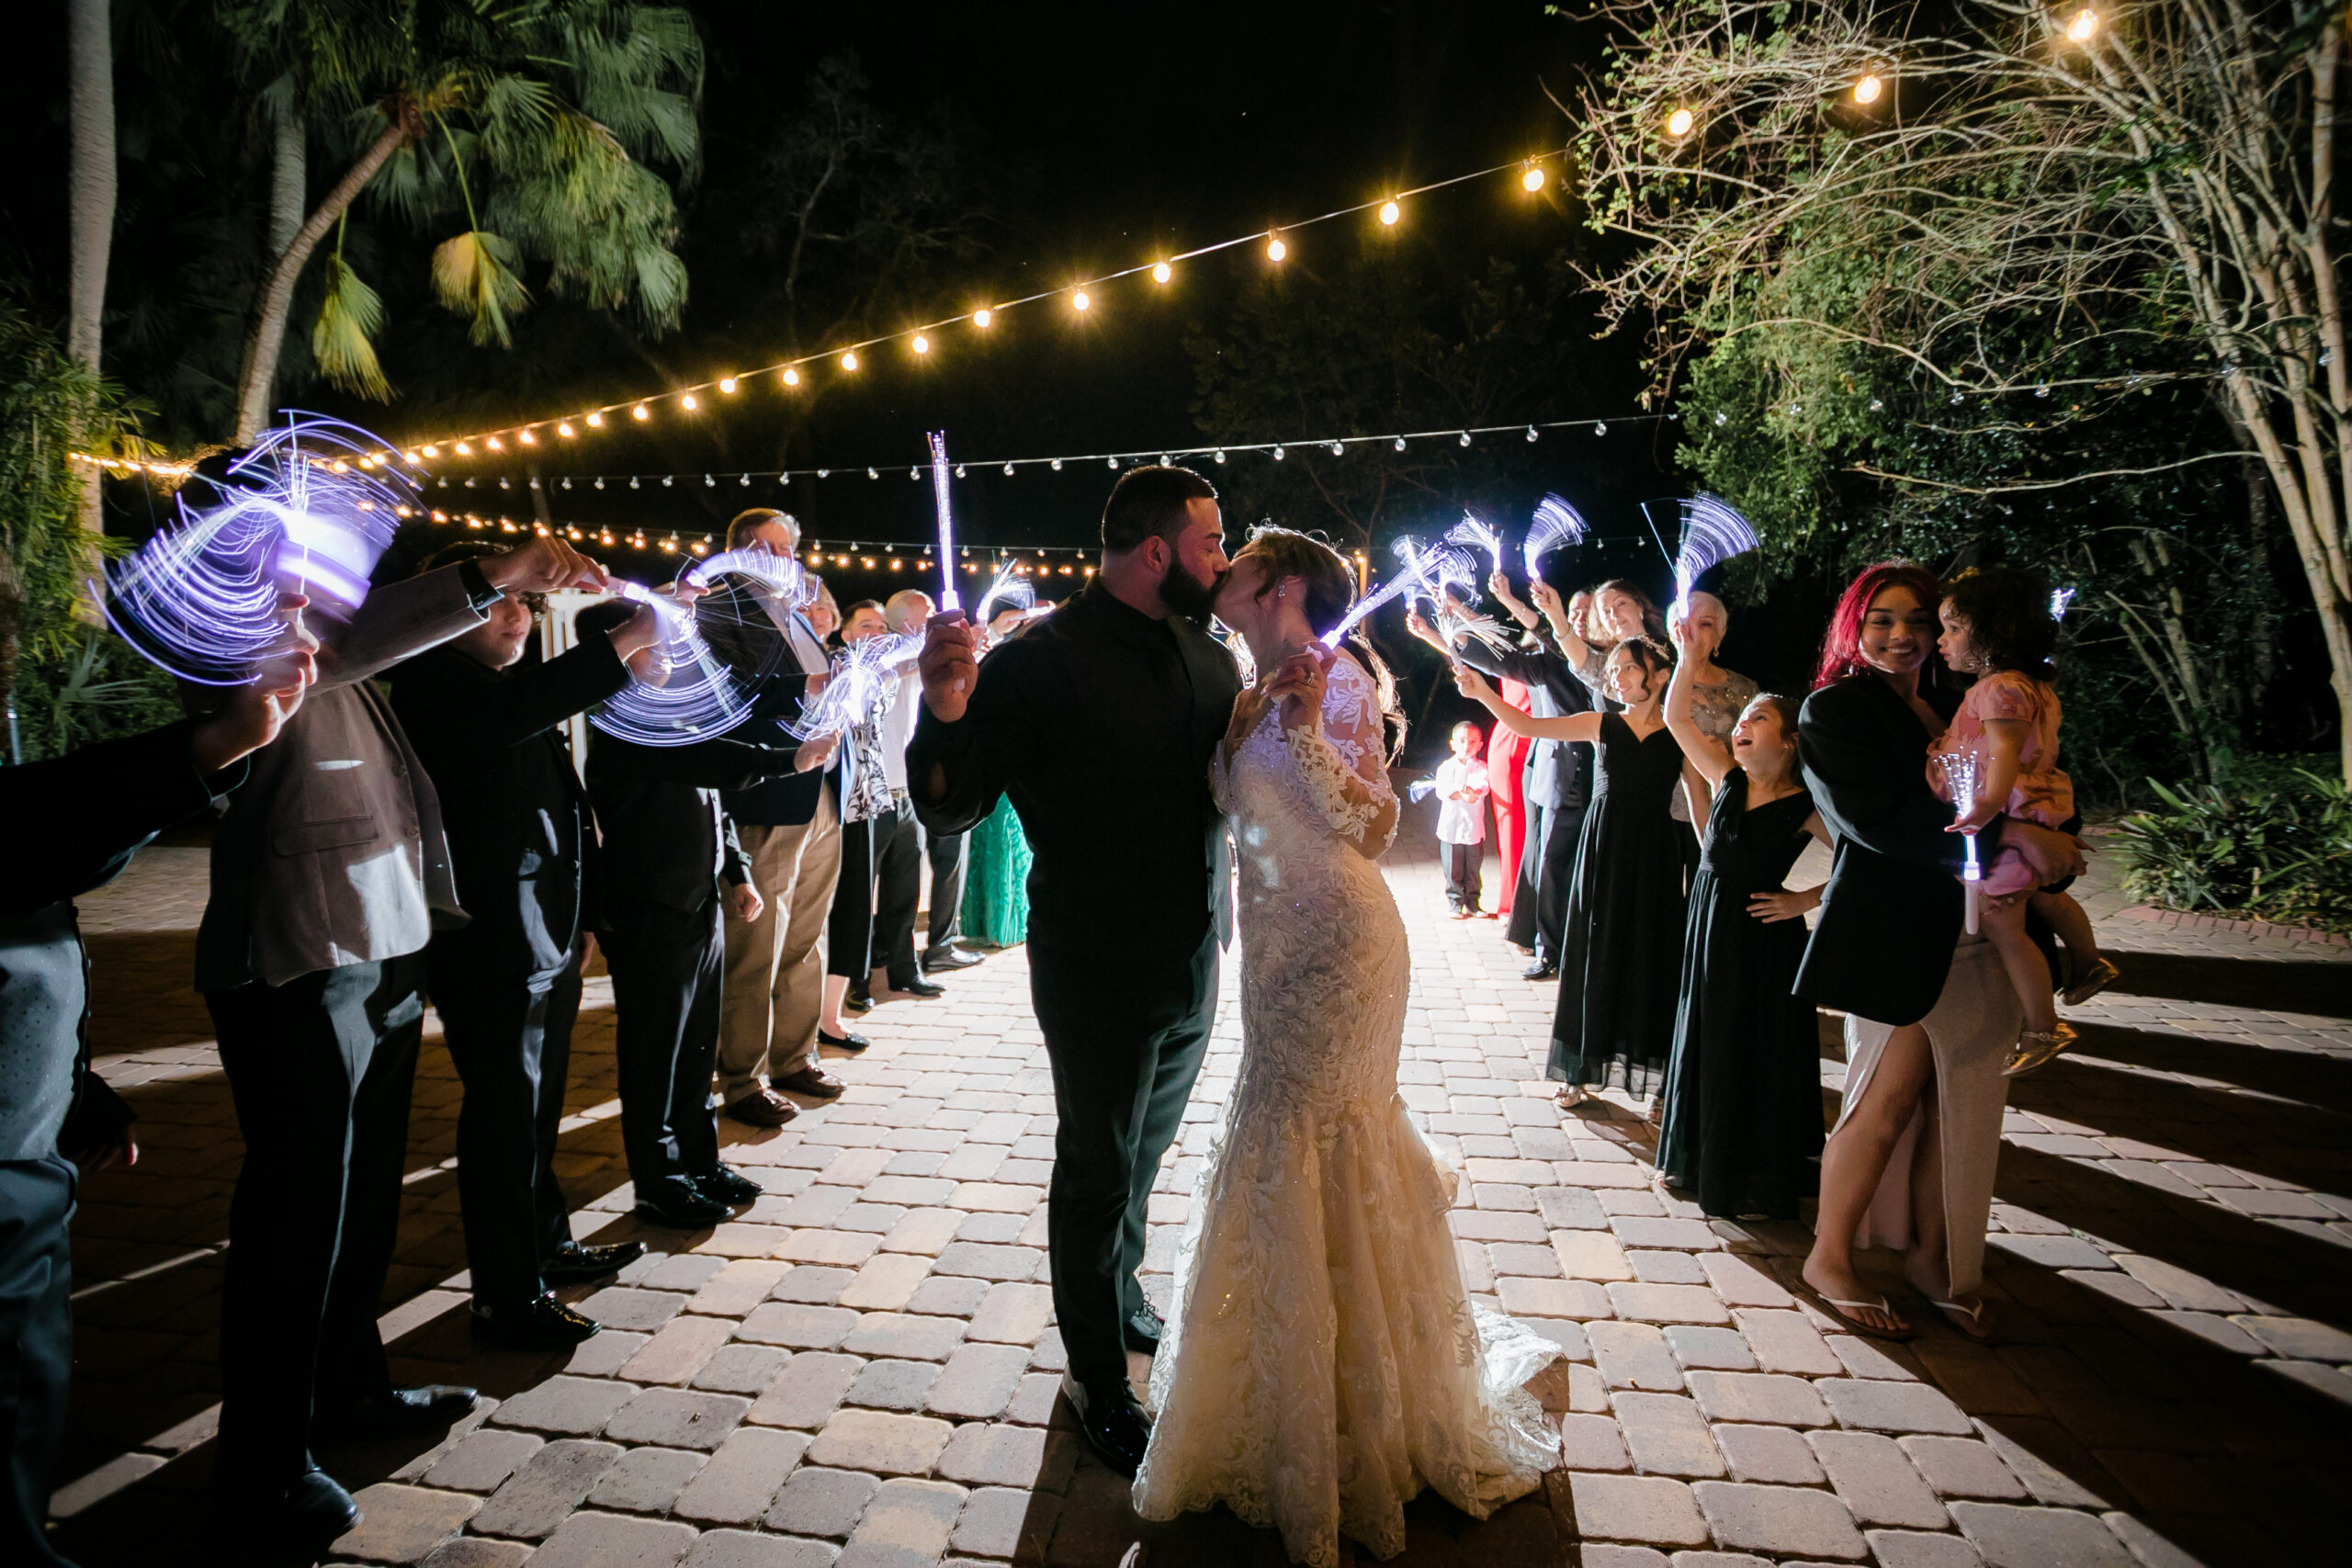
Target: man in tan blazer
[329,874]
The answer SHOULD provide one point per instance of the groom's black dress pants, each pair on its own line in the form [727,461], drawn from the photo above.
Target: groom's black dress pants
[1125,1038]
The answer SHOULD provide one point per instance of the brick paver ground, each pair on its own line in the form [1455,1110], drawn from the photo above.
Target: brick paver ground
[861,1369]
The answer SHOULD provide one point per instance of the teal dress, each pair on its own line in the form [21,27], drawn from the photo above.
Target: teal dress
[996,880]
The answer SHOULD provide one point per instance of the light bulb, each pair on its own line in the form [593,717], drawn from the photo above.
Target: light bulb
[640,411]
[1079,302]
[464,450]
[688,402]
[791,376]
[1600,427]
[2085,24]
[433,451]
[923,344]
[595,421]
[849,360]
[1008,470]
[982,317]
[1057,465]
[1278,454]
[1400,444]
[1680,122]
[409,458]
[566,431]
[1161,272]
[1275,249]
[727,383]
[527,439]
[1532,180]
[1390,212]
[495,446]
[1867,90]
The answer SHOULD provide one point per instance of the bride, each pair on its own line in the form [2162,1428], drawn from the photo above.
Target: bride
[1323,1363]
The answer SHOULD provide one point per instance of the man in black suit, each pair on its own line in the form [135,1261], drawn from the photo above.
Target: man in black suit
[85,814]
[1098,724]
[670,859]
[523,846]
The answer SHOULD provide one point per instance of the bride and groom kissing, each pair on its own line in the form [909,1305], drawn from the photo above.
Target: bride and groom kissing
[1322,1362]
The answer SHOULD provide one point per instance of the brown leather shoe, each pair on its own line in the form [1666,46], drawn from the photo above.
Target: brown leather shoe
[809,1080]
[764,1108]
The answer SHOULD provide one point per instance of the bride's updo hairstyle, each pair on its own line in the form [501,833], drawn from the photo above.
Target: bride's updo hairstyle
[1330,584]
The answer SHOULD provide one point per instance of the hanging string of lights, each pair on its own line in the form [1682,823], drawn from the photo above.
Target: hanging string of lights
[1277,451]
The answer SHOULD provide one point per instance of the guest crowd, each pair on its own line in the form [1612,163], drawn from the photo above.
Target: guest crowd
[400,819]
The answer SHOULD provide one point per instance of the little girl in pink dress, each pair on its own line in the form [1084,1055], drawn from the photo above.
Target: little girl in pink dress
[1997,623]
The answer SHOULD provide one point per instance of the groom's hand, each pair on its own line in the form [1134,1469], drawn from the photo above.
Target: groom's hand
[950,663]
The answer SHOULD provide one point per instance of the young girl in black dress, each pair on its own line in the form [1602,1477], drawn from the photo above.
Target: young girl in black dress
[1621,944]
[1743,1118]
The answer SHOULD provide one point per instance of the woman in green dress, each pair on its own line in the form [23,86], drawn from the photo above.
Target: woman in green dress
[996,855]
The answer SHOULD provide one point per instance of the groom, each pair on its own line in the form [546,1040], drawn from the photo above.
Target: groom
[1097,722]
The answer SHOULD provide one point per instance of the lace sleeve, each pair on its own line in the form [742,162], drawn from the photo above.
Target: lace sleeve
[1343,762]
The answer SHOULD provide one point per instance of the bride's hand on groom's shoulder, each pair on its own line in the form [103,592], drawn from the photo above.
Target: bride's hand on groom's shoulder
[950,665]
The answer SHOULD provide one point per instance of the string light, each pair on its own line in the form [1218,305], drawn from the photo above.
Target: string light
[1079,302]
[640,411]
[1390,212]
[527,438]
[2085,24]
[1867,90]
[565,430]
[688,402]
[922,344]
[1530,175]
[1680,122]
[595,421]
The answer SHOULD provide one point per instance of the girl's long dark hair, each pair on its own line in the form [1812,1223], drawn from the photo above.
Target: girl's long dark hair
[1330,585]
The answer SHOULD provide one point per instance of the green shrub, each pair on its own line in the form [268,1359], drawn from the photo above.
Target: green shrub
[2272,854]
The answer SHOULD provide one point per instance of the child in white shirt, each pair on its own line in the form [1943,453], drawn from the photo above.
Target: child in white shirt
[1462,820]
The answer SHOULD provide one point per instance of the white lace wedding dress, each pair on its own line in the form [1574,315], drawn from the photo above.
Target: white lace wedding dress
[1323,1363]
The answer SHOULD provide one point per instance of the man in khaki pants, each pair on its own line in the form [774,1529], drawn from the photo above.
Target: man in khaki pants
[790,828]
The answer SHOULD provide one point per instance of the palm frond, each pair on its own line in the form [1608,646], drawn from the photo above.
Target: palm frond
[343,342]
[473,273]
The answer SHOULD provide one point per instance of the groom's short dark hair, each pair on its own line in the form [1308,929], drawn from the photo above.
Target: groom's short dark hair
[1150,502]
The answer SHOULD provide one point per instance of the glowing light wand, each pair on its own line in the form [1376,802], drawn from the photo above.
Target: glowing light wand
[948,600]
[1435,564]
[1960,773]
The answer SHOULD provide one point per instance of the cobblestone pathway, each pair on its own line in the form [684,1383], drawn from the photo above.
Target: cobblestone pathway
[861,1368]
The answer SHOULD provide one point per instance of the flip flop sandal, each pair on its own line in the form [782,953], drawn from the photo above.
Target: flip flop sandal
[1973,1316]
[1832,1307]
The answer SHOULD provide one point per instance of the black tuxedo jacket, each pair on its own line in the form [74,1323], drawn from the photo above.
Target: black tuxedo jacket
[667,840]
[522,840]
[1098,723]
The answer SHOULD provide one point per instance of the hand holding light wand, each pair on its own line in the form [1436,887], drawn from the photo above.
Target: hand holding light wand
[1960,773]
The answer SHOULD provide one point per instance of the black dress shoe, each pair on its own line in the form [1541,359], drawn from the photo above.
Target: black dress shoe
[397,1413]
[843,1041]
[1110,1421]
[1142,1329]
[858,999]
[728,1185]
[939,960]
[1540,970]
[542,1323]
[677,1201]
[919,987]
[576,1264]
[305,1514]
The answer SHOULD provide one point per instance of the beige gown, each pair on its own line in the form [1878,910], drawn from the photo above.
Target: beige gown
[1970,1031]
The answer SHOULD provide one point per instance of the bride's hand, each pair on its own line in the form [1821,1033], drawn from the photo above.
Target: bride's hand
[1299,686]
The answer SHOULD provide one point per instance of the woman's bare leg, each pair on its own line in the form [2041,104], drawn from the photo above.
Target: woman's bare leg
[2003,920]
[1854,1160]
[829,1007]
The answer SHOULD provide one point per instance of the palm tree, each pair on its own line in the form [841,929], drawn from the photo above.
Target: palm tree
[90,56]
[529,124]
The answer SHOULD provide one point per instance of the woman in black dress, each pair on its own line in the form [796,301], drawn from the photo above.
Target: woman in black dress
[1743,1091]
[1622,945]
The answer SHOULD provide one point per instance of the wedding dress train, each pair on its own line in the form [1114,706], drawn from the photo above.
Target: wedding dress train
[1323,1363]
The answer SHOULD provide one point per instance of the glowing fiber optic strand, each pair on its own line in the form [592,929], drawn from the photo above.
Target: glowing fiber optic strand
[1473,534]
[2058,599]
[1426,564]
[1011,588]
[1556,526]
[948,600]
[295,512]
[1960,773]
[694,693]
[863,681]
[1711,534]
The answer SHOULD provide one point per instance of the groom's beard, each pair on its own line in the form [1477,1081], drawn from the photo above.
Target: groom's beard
[1187,595]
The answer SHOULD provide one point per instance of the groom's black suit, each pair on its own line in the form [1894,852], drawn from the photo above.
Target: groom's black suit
[1099,723]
